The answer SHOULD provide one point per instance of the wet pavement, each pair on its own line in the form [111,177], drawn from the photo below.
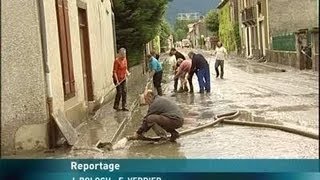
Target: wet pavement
[262,92]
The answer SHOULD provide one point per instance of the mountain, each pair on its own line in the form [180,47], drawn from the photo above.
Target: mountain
[189,6]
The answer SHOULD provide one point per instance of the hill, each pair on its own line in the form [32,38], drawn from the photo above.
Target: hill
[186,6]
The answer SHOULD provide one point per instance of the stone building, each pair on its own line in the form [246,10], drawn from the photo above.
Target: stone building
[56,55]
[197,33]
[229,24]
[262,21]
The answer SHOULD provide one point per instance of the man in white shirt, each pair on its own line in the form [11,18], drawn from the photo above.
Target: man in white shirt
[221,55]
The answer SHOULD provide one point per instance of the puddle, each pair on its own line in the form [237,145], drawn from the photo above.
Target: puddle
[250,117]
[256,68]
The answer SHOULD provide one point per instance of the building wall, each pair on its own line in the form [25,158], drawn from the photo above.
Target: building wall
[102,45]
[226,28]
[24,112]
[23,99]
[288,58]
[235,11]
[264,12]
[296,15]
[101,50]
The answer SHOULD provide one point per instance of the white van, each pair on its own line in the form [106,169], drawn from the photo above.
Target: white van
[186,43]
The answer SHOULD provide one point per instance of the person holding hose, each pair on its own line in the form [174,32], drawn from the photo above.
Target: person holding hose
[163,116]
[120,73]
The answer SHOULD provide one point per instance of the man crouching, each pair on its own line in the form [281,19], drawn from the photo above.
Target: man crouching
[162,114]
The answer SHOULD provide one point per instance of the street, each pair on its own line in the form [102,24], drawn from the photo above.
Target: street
[262,94]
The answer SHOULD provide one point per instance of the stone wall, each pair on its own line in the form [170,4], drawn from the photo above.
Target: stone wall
[288,58]
[23,98]
[291,15]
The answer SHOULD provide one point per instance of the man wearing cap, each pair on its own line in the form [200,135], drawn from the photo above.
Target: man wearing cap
[163,114]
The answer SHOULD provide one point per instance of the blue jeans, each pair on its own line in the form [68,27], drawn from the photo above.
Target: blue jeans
[204,79]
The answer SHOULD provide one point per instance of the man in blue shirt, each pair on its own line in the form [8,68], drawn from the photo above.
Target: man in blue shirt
[155,69]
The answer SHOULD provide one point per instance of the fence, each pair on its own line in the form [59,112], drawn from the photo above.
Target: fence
[285,42]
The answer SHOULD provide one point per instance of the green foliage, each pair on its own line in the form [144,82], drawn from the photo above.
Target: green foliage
[212,21]
[165,32]
[237,36]
[135,57]
[181,29]
[180,34]
[226,29]
[137,23]
[156,44]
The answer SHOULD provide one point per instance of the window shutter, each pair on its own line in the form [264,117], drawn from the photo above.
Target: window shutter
[70,62]
[65,48]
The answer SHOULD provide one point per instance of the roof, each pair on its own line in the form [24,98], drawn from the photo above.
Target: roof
[222,3]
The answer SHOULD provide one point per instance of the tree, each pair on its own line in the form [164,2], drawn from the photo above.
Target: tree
[165,32]
[137,23]
[180,34]
[181,29]
[212,21]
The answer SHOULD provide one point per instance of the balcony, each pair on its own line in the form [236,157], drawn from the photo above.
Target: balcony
[249,15]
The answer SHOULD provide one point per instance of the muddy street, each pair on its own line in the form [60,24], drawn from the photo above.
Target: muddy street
[262,93]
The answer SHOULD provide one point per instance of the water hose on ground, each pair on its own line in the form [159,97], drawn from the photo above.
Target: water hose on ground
[274,126]
[220,118]
[225,118]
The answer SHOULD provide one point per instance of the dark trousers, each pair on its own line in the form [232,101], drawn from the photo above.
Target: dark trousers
[176,80]
[204,79]
[216,65]
[190,76]
[157,78]
[121,94]
[154,120]
[175,86]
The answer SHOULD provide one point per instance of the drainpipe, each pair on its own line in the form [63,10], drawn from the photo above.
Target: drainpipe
[52,127]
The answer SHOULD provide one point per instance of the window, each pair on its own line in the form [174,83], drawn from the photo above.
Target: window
[231,12]
[259,7]
[65,49]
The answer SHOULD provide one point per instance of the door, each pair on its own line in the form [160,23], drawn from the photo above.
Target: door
[261,38]
[248,41]
[85,54]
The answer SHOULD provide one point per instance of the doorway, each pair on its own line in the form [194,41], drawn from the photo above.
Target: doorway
[85,54]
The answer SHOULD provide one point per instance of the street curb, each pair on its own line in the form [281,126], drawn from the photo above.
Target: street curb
[124,122]
[272,67]
[134,105]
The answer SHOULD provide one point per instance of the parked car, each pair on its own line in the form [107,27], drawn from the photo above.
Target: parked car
[186,43]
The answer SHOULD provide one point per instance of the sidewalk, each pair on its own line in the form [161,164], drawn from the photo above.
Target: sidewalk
[275,66]
[107,123]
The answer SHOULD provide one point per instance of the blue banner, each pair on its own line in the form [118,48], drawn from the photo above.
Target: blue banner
[158,169]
